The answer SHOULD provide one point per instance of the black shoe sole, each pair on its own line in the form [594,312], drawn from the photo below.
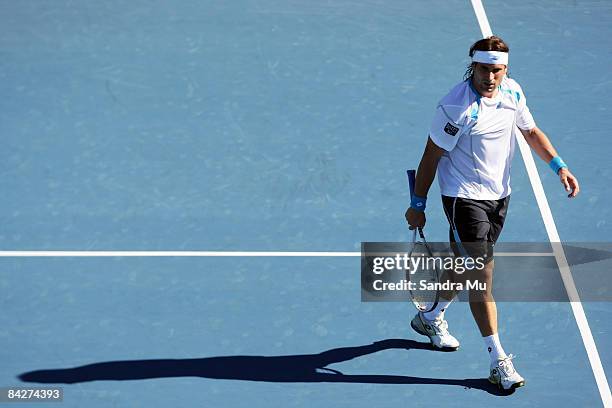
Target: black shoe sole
[512,387]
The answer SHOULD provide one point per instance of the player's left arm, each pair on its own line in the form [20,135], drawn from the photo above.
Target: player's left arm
[540,143]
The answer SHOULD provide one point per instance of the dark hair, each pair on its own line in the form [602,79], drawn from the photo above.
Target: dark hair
[491,43]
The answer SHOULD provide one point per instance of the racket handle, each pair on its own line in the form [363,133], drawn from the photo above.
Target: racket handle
[421,235]
[418,230]
[411,181]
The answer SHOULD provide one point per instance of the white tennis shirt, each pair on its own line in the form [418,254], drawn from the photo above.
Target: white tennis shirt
[478,135]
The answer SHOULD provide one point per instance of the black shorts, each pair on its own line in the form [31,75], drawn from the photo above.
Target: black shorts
[475,223]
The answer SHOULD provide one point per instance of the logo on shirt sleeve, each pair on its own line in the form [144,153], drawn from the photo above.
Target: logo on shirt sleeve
[450,129]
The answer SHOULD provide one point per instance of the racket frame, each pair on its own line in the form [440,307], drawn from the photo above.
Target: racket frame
[420,306]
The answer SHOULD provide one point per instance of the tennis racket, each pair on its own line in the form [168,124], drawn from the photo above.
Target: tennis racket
[424,275]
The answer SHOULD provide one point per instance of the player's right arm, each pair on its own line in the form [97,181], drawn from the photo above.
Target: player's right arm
[424,178]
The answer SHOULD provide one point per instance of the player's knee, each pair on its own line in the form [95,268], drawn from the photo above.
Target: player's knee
[480,295]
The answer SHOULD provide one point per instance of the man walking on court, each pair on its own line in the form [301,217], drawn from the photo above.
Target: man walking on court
[471,144]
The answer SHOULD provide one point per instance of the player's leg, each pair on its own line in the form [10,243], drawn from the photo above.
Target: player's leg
[468,229]
[502,371]
[477,226]
[482,303]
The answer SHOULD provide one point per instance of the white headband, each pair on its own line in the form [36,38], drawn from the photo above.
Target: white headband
[490,57]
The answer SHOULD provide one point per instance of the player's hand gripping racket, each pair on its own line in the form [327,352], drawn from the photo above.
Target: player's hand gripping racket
[424,275]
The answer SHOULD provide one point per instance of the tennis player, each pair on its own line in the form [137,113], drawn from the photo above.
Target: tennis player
[471,144]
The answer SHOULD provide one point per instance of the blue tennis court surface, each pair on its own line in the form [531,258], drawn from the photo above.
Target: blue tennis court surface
[271,126]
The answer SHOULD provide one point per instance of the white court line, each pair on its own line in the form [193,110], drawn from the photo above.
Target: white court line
[481,16]
[186,254]
[204,254]
[553,236]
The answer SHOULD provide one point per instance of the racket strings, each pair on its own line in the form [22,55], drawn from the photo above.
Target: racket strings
[424,276]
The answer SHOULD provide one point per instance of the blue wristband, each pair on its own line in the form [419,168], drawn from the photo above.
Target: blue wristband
[418,203]
[557,164]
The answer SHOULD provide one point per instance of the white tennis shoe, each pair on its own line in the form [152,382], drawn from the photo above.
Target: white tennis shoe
[437,331]
[504,375]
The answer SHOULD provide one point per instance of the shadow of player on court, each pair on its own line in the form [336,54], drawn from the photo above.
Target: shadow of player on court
[292,368]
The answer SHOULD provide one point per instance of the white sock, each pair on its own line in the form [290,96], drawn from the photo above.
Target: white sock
[494,347]
[438,311]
